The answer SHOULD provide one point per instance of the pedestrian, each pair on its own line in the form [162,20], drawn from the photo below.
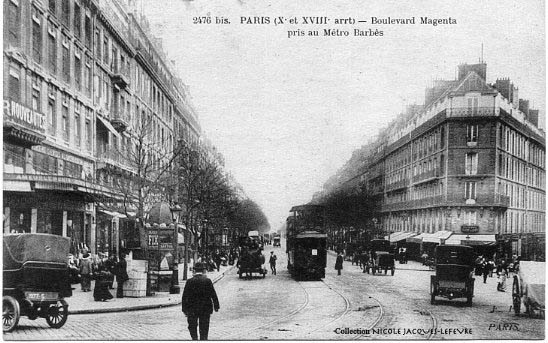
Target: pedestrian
[272,262]
[121,275]
[198,302]
[485,270]
[86,272]
[110,264]
[339,263]
[102,278]
[217,260]
[502,272]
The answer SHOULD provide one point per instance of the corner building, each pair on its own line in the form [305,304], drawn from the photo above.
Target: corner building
[79,77]
[469,164]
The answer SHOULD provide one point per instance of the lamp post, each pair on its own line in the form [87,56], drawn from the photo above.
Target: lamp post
[175,213]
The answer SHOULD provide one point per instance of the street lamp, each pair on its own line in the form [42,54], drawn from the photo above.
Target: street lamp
[175,213]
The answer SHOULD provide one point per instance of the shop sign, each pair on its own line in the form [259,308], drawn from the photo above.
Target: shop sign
[24,115]
[469,229]
[162,236]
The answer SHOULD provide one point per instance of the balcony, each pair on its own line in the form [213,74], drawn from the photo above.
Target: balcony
[119,79]
[120,122]
[396,185]
[501,200]
[427,176]
[472,112]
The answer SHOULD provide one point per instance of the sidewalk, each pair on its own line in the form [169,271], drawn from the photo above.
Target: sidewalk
[83,303]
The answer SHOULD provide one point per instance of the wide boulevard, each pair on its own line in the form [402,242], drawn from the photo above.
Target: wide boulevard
[354,305]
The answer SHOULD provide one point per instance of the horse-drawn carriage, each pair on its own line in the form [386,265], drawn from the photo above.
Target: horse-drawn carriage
[528,287]
[36,279]
[251,259]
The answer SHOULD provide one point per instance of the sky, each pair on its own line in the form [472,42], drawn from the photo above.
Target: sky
[287,113]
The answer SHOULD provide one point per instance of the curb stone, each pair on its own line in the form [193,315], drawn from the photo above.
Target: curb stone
[143,307]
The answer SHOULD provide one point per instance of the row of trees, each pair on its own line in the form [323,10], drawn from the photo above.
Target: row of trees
[188,173]
[350,215]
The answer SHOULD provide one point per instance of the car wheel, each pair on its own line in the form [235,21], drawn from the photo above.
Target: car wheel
[10,313]
[393,271]
[57,314]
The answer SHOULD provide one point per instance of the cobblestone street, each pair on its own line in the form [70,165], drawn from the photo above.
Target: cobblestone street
[279,308]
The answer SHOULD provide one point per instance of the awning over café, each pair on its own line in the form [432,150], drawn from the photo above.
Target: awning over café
[400,236]
[472,240]
[435,237]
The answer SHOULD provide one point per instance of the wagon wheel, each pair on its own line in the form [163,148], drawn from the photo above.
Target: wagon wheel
[516,296]
[57,314]
[10,313]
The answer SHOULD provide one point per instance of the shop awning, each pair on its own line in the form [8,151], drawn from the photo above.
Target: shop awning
[472,240]
[17,186]
[435,237]
[400,236]
[113,214]
[109,126]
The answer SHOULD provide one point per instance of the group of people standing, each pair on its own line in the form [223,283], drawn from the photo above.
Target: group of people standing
[104,271]
[485,267]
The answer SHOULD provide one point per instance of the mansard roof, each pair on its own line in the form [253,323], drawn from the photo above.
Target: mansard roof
[472,83]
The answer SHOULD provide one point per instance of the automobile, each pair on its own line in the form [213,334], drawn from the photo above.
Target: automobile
[381,258]
[454,273]
[276,241]
[36,279]
[529,287]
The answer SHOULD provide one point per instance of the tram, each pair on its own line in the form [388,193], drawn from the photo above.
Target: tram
[306,243]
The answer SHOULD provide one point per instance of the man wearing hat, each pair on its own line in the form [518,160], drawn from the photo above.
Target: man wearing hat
[199,301]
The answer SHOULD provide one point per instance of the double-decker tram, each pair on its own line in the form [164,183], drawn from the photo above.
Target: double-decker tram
[306,242]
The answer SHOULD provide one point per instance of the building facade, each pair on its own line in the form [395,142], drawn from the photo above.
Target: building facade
[83,80]
[471,161]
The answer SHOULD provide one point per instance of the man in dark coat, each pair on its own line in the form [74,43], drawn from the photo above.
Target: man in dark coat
[339,263]
[199,301]
[121,275]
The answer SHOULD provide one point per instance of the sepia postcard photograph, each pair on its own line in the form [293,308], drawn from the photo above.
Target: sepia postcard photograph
[291,170]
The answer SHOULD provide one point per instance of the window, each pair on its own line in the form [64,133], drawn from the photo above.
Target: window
[471,164]
[442,137]
[88,134]
[87,76]
[66,61]
[87,31]
[470,190]
[72,169]
[78,70]
[470,217]
[52,6]
[77,127]
[65,119]
[105,50]
[97,43]
[472,133]
[52,50]
[14,85]
[473,105]
[114,60]
[51,114]
[44,164]
[65,12]
[14,23]
[77,20]
[36,98]
[36,38]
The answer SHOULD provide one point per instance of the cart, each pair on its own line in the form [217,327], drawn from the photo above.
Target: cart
[36,279]
[528,288]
